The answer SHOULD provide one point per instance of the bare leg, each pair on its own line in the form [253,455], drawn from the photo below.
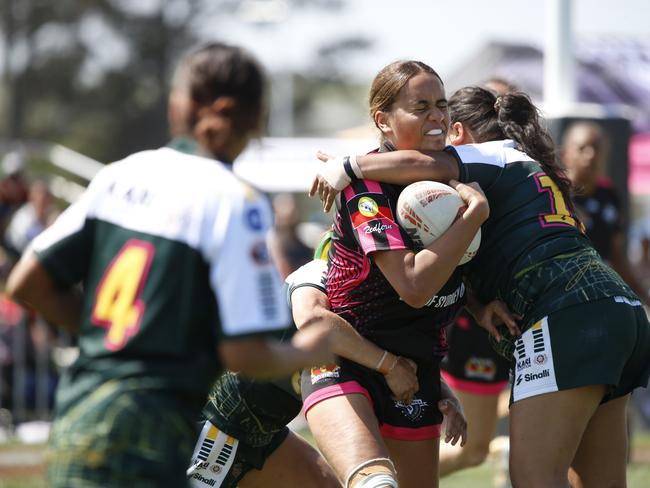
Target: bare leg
[545,432]
[416,462]
[346,432]
[295,464]
[602,454]
[481,414]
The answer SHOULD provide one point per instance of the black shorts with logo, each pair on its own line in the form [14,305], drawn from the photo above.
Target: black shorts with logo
[418,421]
[472,365]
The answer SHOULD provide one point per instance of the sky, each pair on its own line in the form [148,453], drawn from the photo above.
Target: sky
[442,33]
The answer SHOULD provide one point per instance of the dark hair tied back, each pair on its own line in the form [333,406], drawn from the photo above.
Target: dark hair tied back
[510,116]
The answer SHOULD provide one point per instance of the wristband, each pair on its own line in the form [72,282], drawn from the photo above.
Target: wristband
[348,168]
[390,370]
[334,173]
[381,361]
[355,167]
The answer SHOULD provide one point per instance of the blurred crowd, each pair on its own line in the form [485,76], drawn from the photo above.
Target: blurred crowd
[28,374]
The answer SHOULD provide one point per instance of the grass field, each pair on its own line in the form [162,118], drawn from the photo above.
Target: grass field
[22,467]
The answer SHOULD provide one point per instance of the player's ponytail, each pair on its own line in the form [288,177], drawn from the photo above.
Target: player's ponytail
[510,116]
[223,80]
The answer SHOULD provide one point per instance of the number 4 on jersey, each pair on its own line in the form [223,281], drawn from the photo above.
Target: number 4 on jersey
[118,306]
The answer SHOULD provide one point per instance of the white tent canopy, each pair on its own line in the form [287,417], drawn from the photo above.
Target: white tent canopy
[277,164]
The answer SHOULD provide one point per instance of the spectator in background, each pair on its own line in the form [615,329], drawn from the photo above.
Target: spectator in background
[287,250]
[13,193]
[32,218]
[643,265]
[500,86]
[13,186]
[584,151]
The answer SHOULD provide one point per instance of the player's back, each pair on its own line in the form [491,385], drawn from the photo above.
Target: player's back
[150,235]
[529,218]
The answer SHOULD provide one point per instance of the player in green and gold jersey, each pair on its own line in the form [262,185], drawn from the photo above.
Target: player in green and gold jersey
[161,268]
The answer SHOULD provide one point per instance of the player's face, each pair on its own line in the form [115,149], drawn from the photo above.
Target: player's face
[583,155]
[419,118]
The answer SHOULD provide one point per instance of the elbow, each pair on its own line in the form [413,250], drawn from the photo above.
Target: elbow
[17,289]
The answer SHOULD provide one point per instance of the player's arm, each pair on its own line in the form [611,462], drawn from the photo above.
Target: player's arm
[455,422]
[48,275]
[492,315]
[263,358]
[249,293]
[416,277]
[310,307]
[399,167]
[32,285]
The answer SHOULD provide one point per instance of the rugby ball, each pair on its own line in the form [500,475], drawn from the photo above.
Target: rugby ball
[426,209]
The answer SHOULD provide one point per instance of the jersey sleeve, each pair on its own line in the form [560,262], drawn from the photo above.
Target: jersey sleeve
[246,283]
[313,274]
[367,208]
[476,164]
[64,248]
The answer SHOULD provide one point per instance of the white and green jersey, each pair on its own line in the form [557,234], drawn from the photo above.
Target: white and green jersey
[531,242]
[170,249]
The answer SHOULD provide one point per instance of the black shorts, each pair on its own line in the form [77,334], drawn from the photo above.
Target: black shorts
[602,342]
[418,421]
[472,365]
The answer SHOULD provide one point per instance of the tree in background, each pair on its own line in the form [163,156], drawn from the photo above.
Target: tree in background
[92,75]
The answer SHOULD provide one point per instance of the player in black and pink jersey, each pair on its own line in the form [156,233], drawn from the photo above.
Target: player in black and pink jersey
[395,297]
[585,341]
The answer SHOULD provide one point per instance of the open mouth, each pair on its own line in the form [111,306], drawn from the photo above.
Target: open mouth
[434,132]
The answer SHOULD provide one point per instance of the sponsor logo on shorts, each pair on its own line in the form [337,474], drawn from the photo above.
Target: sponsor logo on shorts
[368,207]
[376,228]
[323,372]
[528,377]
[206,481]
[524,364]
[538,337]
[520,347]
[414,410]
[480,368]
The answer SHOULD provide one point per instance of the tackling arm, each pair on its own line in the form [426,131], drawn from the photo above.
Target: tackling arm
[310,307]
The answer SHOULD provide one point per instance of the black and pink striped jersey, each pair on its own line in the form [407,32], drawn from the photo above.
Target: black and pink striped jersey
[365,223]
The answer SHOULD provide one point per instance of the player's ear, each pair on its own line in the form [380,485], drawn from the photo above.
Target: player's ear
[382,121]
[458,135]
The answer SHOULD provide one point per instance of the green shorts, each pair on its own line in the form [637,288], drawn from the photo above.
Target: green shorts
[122,435]
[245,422]
[602,342]
[221,461]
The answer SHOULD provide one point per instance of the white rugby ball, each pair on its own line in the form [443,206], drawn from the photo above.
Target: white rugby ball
[426,209]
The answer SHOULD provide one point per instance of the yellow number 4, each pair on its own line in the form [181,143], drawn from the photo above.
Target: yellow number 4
[118,306]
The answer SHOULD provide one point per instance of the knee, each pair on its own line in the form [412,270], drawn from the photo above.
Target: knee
[375,473]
